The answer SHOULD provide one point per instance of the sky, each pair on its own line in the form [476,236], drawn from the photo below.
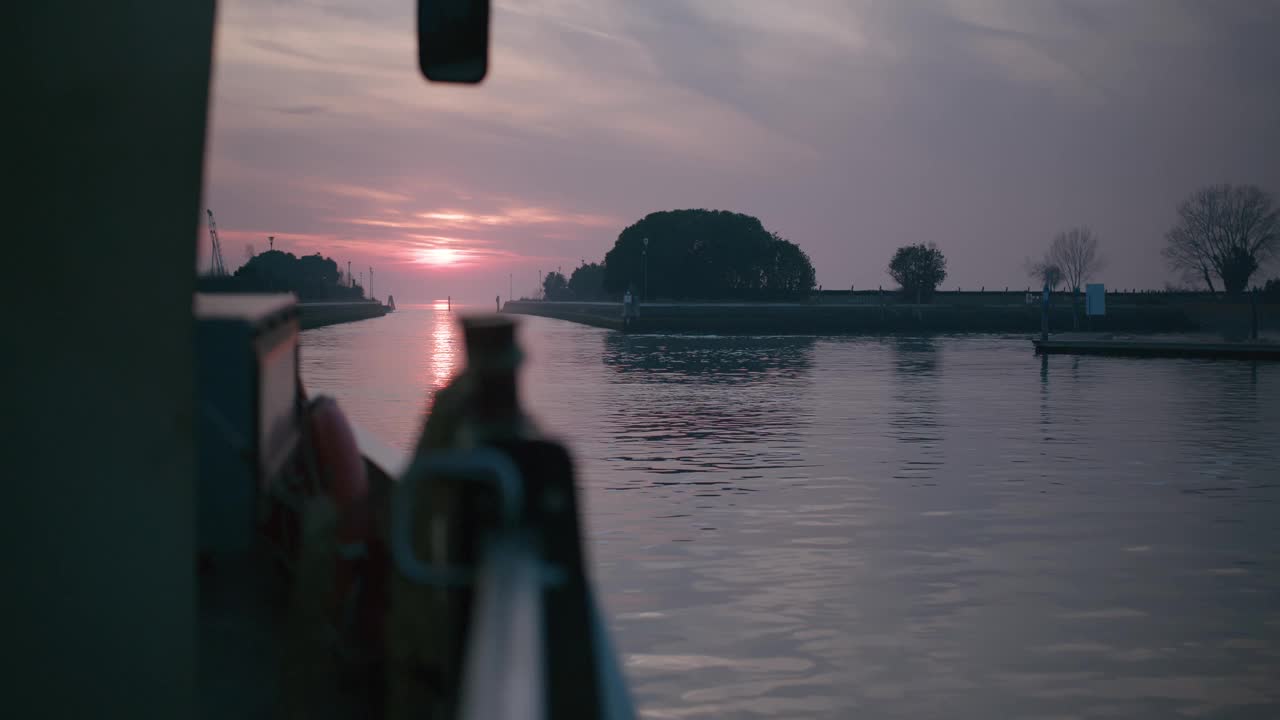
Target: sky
[850,128]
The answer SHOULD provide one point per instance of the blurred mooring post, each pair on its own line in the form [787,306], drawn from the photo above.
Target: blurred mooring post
[1044,314]
[492,613]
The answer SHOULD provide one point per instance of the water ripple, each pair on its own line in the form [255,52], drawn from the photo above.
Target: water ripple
[896,527]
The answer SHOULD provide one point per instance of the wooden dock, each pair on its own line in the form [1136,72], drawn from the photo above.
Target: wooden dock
[1158,346]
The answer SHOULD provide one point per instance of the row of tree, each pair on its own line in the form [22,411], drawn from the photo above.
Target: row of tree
[586,282]
[310,277]
[1228,232]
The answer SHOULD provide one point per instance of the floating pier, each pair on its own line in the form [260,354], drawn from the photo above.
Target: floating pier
[1158,346]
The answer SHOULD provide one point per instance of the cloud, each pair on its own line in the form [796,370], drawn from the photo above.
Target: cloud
[849,127]
[301,109]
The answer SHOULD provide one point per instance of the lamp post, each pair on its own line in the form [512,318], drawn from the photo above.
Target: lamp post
[644,255]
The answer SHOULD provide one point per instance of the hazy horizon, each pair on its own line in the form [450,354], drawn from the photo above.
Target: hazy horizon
[849,128]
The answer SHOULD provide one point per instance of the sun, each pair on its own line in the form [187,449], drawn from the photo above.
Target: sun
[439,256]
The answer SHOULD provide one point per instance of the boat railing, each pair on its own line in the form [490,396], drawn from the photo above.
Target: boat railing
[503,676]
[509,650]
[511,659]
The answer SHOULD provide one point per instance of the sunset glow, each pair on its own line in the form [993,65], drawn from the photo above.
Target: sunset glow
[447,216]
[595,114]
[441,256]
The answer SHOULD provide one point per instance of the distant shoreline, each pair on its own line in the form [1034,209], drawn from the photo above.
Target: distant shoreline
[320,314]
[836,318]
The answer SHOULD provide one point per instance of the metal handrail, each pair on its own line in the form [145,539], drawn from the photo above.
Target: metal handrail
[479,465]
[509,660]
[504,663]
[507,651]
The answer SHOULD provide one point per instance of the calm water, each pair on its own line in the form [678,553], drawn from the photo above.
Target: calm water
[895,527]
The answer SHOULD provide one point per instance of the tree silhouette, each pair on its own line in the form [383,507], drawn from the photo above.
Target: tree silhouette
[1075,253]
[918,270]
[1271,290]
[310,277]
[587,282]
[706,254]
[1045,272]
[1224,230]
[555,287]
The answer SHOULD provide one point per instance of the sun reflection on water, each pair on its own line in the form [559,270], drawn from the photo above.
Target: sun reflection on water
[444,356]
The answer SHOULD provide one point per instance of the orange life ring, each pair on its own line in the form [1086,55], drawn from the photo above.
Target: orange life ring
[337,454]
[343,477]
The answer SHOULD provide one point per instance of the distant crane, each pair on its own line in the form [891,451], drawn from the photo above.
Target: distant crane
[219,268]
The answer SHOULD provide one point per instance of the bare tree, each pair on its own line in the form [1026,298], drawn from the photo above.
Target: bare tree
[1075,252]
[1224,230]
[1045,272]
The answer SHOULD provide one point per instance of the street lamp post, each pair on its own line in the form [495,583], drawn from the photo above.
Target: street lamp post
[644,254]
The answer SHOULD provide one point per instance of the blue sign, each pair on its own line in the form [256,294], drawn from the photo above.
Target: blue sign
[1095,299]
